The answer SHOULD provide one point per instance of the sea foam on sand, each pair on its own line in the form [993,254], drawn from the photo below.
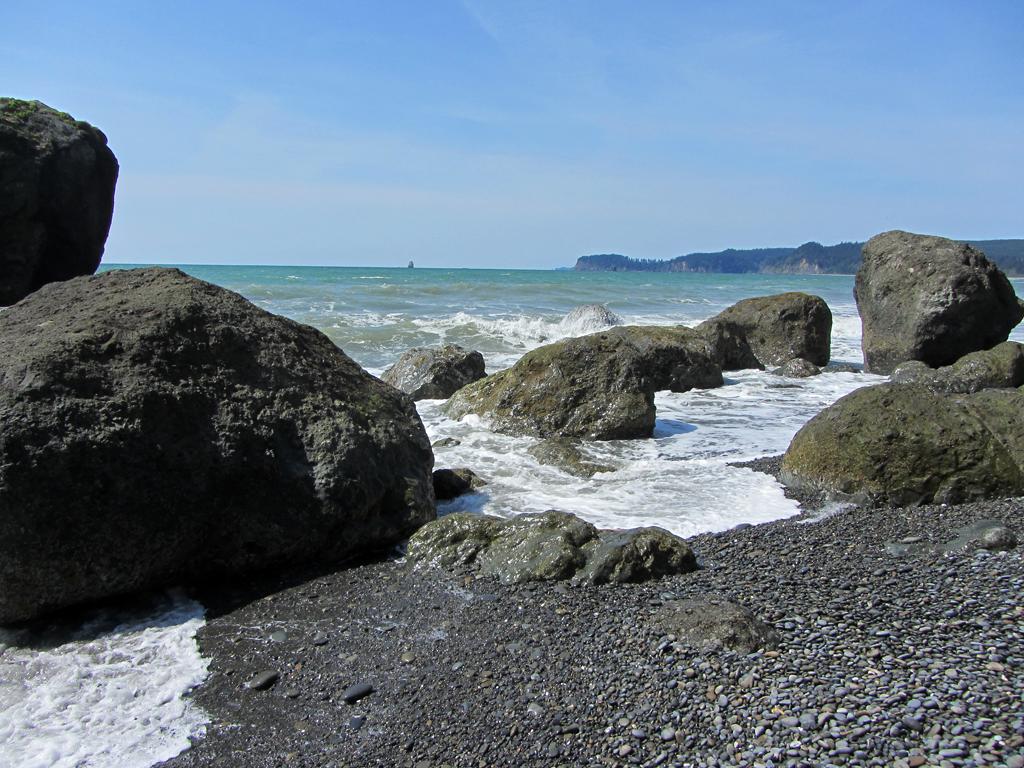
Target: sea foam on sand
[106,693]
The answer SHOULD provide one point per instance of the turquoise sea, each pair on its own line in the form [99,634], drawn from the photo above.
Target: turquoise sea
[376,313]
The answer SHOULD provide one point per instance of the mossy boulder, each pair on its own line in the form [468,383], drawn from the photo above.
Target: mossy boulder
[904,444]
[57,179]
[999,367]
[770,330]
[929,299]
[550,546]
[426,373]
[600,386]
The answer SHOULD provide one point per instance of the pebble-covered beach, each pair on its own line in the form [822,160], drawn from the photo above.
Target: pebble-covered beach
[892,652]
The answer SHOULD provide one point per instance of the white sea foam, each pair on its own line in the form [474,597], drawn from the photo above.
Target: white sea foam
[680,480]
[109,695]
[506,338]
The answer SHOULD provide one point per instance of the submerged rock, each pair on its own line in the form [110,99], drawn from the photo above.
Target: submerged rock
[841,368]
[901,445]
[56,197]
[551,546]
[435,374]
[999,367]
[769,330]
[451,483]
[599,386]
[565,454]
[798,368]
[929,299]
[715,624]
[156,429]
[589,317]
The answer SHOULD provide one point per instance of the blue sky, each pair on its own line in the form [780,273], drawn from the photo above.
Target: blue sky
[524,134]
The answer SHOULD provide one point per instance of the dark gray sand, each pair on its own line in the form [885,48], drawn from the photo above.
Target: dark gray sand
[890,656]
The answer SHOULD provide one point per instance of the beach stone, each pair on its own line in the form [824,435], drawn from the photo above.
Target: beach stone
[355,692]
[565,453]
[435,373]
[841,368]
[998,539]
[929,299]
[263,680]
[156,429]
[450,483]
[599,387]
[715,623]
[550,546]
[797,368]
[902,445]
[56,197]
[999,367]
[770,330]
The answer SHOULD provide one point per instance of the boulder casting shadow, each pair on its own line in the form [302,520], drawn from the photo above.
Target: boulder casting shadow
[157,429]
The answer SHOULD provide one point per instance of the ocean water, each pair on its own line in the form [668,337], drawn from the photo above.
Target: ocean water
[112,692]
[680,480]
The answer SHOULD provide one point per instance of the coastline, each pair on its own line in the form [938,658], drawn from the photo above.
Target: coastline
[884,659]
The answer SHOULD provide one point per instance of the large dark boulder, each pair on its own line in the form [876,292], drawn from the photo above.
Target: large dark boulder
[550,546]
[435,374]
[999,367]
[599,386]
[929,299]
[770,330]
[901,444]
[57,179]
[155,428]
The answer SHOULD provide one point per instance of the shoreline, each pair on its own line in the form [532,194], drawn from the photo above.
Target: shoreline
[883,660]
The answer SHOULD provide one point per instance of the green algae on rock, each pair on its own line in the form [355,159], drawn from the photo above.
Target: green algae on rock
[550,546]
[903,444]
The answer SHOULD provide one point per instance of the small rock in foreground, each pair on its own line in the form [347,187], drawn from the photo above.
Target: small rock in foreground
[712,624]
[264,680]
[451,483]
[551,546]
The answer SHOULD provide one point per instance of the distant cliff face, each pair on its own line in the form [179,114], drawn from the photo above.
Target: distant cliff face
[808,259]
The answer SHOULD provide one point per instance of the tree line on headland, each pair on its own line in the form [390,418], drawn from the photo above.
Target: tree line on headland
[809,258]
